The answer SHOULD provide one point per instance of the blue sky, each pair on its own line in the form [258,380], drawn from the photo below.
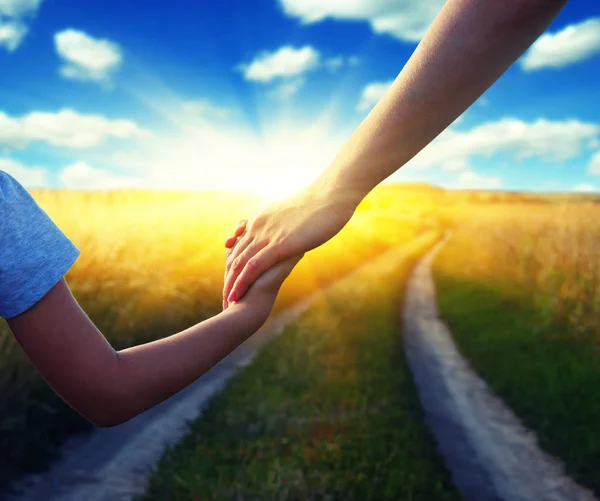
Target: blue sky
[261,94]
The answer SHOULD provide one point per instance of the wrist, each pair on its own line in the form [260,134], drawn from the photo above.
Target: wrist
[251,314]
[332,189]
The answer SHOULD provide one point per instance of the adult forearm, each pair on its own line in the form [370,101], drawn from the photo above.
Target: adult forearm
[468,47]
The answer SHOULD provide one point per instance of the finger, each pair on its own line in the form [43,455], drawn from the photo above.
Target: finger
[230,244]
[239,230]
[243,242]
[225,302]
[230,241]
[238,264]
[228,252]
[254,268]
[237,249]
[241,227]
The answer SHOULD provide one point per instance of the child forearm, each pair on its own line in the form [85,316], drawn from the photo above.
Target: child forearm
[150,373]
[109,387]
[147,374]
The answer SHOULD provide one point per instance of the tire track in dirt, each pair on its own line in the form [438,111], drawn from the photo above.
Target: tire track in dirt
[491,455]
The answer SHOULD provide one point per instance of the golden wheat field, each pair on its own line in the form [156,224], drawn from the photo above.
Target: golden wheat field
[548,249]
[152,264]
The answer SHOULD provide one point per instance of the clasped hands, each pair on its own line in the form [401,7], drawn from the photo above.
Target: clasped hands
[280,235]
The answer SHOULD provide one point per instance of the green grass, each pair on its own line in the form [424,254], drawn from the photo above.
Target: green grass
[549,376]
[327,410]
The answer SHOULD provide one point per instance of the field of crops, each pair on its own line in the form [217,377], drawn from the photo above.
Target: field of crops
[519,285]
[551,250]
[152,264]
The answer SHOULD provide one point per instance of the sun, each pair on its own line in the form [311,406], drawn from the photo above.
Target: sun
[276,188]
[273,160]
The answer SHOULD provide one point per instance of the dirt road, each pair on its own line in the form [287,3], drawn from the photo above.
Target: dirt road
[491,455]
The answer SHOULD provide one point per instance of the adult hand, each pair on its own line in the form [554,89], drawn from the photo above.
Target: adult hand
[282,231]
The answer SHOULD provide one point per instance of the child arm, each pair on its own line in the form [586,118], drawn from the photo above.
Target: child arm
[109,387]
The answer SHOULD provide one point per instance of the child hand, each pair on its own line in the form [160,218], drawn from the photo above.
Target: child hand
[268,284]
[262,294]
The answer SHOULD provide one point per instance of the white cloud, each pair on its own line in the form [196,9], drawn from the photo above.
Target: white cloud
[403,19]
[13,14]
[286,62]
[483,102]
[86,58]
[19,8]
[82,176]
[371,95]
[288,89]
[459,120]
[65,128]
[456,165]
[12,34]
[585,188]
[204,109]
[570,45]
[289,66]
[594,167]
[552,141]
[333,64]
[32,177]
[471,180]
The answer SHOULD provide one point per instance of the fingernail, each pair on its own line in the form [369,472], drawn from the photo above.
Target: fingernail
[232,297]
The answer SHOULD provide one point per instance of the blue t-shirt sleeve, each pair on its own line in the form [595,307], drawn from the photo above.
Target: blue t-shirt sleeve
[34,253]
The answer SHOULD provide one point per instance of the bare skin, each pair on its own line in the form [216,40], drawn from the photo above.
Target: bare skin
[109,387]
[468,47]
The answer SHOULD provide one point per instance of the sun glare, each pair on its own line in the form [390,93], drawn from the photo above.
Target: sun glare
[199,151]
[275,189]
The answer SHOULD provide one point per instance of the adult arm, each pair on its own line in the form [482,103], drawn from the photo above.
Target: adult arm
[468,47]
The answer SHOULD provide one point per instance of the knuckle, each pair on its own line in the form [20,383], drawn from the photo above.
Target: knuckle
[262,244]
[260,221]
[231,257]
[237,265]
[252,264]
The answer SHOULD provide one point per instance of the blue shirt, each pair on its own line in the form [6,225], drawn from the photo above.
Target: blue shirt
[34,253]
